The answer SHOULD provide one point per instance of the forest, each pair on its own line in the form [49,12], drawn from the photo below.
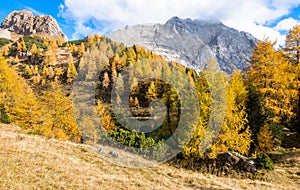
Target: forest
[260,104]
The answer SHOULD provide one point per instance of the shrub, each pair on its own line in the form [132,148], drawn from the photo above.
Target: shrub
[3,115]
[265,140]
[135,142]
[277,132]
[76,42]
[30,40]
[4,41]
[132,138]
[263,161]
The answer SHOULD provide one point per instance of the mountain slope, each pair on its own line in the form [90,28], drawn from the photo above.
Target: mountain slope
[192,42]
[30,162]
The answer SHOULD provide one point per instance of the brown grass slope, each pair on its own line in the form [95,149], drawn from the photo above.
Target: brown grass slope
[34,162]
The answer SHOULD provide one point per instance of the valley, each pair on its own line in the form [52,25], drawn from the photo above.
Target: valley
[204,105]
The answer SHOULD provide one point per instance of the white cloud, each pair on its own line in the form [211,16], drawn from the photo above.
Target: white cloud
[286,24]
[34,11]
[259,31]
[250,16]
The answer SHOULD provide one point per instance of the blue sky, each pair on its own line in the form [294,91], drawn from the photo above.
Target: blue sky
[78,18]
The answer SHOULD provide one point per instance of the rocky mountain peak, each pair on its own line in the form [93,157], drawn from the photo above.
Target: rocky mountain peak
[192,42]
[185,22]
[25,23]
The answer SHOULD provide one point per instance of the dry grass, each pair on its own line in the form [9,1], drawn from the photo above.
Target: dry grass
[34,162]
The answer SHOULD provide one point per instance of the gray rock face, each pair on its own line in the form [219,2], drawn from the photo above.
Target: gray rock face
[25,23]
[5,34]
[192,42]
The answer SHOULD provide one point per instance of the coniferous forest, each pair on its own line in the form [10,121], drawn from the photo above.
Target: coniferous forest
[262,103]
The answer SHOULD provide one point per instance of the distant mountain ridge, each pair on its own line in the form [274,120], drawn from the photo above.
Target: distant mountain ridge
[192,42]
[25,23]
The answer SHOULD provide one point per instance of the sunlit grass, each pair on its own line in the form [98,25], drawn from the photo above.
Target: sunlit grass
[34,162]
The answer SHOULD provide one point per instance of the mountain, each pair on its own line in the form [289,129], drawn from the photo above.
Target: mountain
[192,42]
[25,23]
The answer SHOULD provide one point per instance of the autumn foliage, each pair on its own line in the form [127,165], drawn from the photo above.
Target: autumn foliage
[36,93]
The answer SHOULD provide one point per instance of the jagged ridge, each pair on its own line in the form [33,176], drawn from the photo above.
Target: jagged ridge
[25,23]
[192,42]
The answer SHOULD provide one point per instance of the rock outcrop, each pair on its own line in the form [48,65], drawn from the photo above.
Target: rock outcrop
[192,42]
[25,23]
[5,34]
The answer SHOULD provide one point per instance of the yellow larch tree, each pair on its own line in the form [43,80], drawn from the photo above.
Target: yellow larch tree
[58,117]
[292,48]
[71,72]
[19,100]
[235,134]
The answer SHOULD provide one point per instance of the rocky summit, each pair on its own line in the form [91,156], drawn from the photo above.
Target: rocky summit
[192,42]
[25,23]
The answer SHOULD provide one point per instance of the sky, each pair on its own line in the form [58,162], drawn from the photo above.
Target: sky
[78,18]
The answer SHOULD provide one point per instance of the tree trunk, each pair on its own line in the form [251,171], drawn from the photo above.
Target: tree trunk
[298,111]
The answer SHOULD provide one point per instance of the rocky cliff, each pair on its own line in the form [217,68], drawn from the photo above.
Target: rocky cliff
[25,23]
[192,42]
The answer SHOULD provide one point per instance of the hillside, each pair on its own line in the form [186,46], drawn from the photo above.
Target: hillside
[241,127]
[34,162]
